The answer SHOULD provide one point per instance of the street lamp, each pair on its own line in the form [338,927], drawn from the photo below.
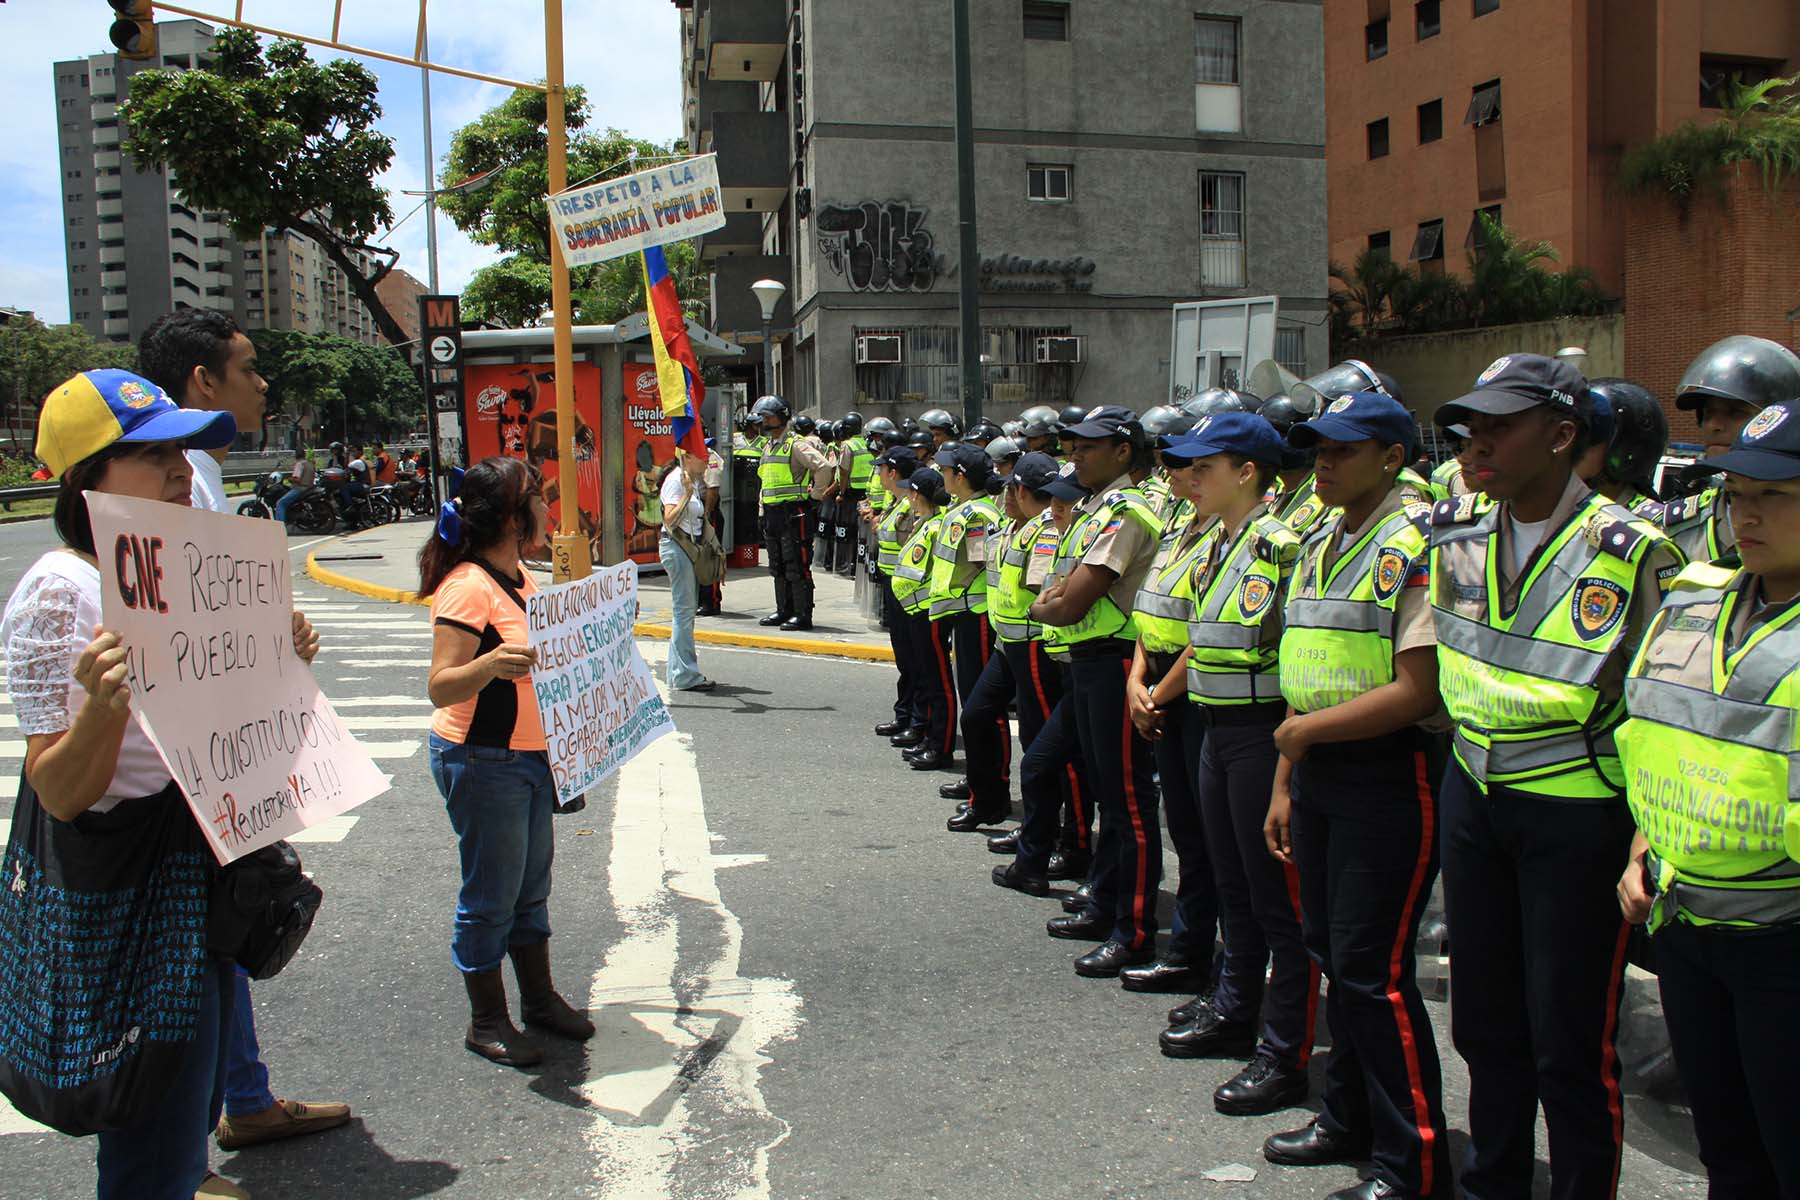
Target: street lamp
[768,294]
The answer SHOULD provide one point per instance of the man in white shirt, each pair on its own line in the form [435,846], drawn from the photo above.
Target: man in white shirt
[203,360]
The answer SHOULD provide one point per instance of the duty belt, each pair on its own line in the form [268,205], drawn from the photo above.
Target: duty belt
[1749,902]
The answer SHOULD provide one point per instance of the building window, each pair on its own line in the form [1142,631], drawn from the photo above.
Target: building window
[1047,181]
[1717,75]
[1427,19]
[1290,349]
[1476,243]
[1428,245]
[1046,21]
[1484,104]
[1218,101]
[1382,243]
[1378,138]
[1375,39]
[1431,121]
[1484,7]
[1222,229]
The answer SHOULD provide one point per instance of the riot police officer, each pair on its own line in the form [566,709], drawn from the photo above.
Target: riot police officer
[855,474]
[1219,400]
[981,433]
[786,467]
[1296,503]
[1539,602]
[1732,380]
[1629,434]
[942,427]
[1038,427]
[1159,421]
[820,501]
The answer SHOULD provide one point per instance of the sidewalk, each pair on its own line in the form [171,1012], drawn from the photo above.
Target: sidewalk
[382,564]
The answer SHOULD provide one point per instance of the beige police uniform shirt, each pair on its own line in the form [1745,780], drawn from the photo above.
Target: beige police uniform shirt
[1126,551]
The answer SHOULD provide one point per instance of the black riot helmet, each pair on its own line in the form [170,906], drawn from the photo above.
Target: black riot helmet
[850,424]
[1640,432]
[942,421]
[1004,450]
[1281,412]
[982,432]
[1219,400]
[1164,419]
[1040,420]
[1750,370]
[920,440]
[880,429]
[908,426]
[1072,414]
[770,407]
[804,425]
[1311,395]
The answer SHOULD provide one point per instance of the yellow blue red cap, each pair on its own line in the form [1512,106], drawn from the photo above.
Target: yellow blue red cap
[91,411]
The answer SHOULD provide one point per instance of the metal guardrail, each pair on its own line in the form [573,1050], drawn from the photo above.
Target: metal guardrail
[247,467]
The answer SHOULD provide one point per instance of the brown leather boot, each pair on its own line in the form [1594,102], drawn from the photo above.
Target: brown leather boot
[539,1004]
[491,1032]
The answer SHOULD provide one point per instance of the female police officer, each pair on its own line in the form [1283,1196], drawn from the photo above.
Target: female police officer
[1707,756]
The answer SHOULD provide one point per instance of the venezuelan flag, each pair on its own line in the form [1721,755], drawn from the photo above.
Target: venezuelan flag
[677,370]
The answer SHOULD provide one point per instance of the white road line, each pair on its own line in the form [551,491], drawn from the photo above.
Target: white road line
[382,702]
[661,846]
[418,721]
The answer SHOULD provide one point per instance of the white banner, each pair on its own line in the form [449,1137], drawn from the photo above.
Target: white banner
[595,694]
[616,217]
[205,605]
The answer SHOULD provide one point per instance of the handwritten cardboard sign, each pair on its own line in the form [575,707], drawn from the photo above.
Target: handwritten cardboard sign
[594,692]
[616,217]
[205,604]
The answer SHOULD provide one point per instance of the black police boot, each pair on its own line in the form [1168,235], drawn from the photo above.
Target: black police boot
[1369,1189]
[796,624]
[1109,958]
[1208,1035]
[907,739]
[1263,1087]
[1181,1014]
[1172,974]
[1004,843]
[773,619]
[926,759]
[1315,1146]
[1068,864]
[956,789]
[1011,875]
[888,729]
[1079,927]
[971,819]
[1077,900]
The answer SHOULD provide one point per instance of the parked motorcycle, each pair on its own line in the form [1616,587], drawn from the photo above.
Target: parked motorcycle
[269,489]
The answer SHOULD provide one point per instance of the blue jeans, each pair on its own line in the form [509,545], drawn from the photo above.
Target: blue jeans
[246,1079]
[684,669]
[500,803]
[286,502]
[165,1157]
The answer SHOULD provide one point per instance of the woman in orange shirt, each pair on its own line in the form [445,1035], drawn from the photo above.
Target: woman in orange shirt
[488,753]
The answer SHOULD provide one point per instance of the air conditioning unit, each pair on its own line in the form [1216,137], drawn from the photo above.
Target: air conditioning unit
[1059,349]
[877,348]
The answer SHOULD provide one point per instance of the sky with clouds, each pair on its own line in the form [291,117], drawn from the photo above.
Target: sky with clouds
[626,53]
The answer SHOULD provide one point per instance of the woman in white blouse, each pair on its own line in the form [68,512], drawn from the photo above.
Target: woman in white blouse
[682,511]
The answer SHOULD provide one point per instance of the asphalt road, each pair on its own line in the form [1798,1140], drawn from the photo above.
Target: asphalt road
[804,986]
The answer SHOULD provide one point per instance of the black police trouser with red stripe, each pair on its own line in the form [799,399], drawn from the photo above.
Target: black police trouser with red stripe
[932,682]
[1537,956]
[987,739]
[972,647]
[1038,687]
[1127,866]
[787,536]
[1050,761]
[1194,925]
[1259,897]
[1729,997]
[1364,829]
[907,711]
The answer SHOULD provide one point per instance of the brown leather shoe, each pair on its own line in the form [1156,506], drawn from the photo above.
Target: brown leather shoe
[283,1119]
[539,1003]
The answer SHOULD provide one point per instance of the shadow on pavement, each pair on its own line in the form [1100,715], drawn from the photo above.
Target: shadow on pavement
[354,1155]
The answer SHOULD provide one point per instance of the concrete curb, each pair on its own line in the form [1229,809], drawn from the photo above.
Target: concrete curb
[746,641]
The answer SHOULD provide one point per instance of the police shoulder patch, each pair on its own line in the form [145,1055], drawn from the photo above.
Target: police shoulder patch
[1456,511]
[1255,594]
[1598,605]
[1390,572]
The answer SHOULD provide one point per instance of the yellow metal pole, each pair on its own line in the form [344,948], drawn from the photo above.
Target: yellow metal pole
[570,558]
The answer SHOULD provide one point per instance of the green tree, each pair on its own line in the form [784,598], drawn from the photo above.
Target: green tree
[35,357]
[1759,125]
[275,141]
[337,386]
[510,143]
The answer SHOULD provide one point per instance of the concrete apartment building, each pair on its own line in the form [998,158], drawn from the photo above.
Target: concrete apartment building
[135,251]
[1437,110]
[1128,155]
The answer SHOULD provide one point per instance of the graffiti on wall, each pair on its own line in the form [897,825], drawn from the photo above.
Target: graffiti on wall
[879,247]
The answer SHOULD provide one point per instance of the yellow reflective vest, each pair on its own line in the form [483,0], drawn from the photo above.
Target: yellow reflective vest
[1235,623]
[781,484]
[1011,549]
[1165,600]
[1709,754]
[1105,619]
[914,567]
[958,579]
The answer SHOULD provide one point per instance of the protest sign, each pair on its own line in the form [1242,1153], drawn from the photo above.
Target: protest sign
[594,692]
[616,217]
[204,603]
